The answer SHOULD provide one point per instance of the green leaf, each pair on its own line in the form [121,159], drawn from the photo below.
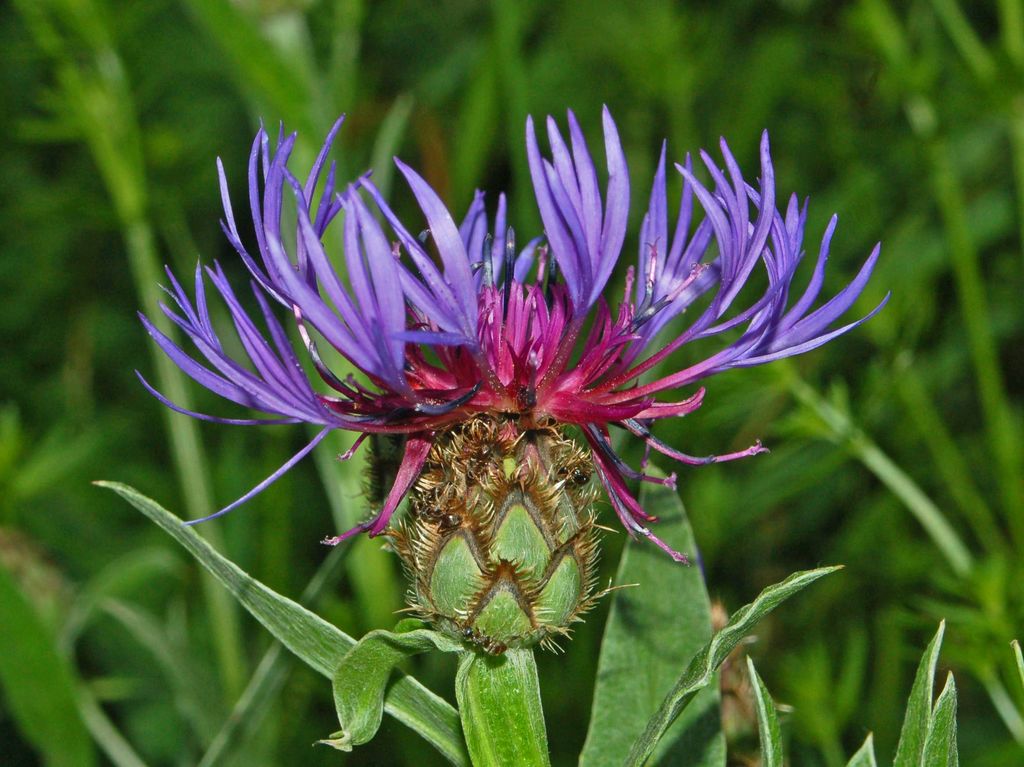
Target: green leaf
[105,733]
[476,132]
[767,721]
[940,744]
[363,674]
[865,756]
[315,641]
[38,683]
[1020,660]
[387,143]
[701,670]
[499,701]
[919,706]
[653,630]
[258,64]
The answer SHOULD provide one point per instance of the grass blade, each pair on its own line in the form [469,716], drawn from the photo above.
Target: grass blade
[258,65]
[105,733]
[846,432]
[1015,644]
[96,94]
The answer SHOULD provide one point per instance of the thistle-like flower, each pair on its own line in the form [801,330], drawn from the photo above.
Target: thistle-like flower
[480,354]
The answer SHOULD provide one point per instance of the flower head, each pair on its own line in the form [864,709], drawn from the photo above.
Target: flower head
[461,323]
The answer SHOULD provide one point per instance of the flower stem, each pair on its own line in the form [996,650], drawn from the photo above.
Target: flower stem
[502,717]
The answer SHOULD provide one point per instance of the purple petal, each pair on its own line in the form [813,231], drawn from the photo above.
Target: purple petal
[449,245]
[267,482]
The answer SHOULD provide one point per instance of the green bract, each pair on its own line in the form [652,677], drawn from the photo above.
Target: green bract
[501,543]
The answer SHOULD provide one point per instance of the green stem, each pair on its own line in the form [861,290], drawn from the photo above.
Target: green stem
[500,706]
[1005,707]
[892,476]
[1001,425]
[1011,30]
[948,459]
[1002,429]
[105,732]
[189,457]
[965,40]
[1017,150]
[508,40]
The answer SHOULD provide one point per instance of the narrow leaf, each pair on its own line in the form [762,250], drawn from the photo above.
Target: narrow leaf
[362,677]
[38,683]
[919,706]
[865,756]
[105,732]
[940,749]
[702,668]
[767,721]
[653,629]
[255,61]
[315,641]
[1020,660]
[499,701]
[386,145]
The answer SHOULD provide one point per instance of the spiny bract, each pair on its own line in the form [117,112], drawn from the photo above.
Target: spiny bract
[500,543]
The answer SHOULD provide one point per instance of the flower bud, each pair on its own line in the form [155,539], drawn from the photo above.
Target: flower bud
[500,543]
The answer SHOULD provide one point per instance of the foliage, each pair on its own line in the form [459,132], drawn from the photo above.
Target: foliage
[897,453]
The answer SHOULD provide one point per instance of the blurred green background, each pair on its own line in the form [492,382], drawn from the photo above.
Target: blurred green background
[896,451]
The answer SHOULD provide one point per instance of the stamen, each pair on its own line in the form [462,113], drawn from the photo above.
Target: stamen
[447,407]
[633,527]
[638,429]
[355,446]
[314,354]
[667,299]
[630,276]
[678,556]
[507,273]
[652,264]
[624,468]
[542,264]
[552,279]
[487,262]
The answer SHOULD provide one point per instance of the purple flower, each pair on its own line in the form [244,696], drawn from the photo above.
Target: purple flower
[463,324]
